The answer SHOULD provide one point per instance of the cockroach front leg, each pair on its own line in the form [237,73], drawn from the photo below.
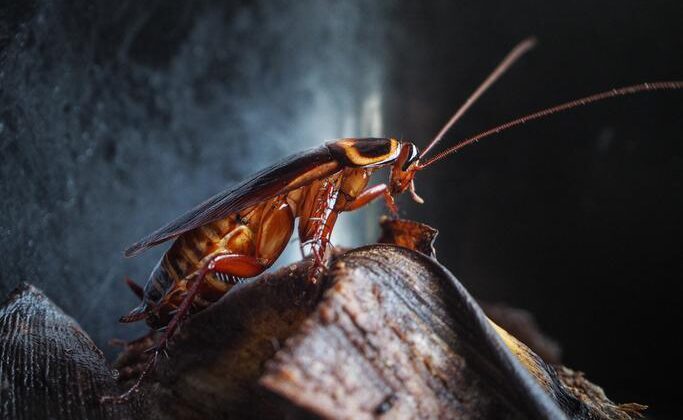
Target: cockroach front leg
[226,263]
[371,194]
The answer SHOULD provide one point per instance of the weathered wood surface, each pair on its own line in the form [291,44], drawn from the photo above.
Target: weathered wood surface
[49,367]
[393,335]
[396,335]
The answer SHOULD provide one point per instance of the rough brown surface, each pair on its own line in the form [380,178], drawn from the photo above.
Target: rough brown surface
[393,335]
[390,336]
[382,342]
[49,367]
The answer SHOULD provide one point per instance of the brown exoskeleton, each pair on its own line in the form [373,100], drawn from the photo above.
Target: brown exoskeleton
[242,231]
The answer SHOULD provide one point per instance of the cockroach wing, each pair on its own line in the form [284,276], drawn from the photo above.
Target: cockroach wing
[286,175]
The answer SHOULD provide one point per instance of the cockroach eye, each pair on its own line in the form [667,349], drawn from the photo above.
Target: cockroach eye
[412,157]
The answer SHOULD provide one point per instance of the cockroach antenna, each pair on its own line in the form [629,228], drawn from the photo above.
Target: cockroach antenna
[512,57]
[628,90]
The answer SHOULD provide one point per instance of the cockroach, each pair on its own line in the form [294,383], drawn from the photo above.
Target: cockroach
[240,232]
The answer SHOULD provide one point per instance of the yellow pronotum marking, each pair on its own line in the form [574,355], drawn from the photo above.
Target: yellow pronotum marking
[352,153]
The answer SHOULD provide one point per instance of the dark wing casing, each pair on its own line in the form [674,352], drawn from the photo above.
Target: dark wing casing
[284,176]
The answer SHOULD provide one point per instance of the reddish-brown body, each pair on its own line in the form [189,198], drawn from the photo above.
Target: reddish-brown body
[213,251]
[259,233]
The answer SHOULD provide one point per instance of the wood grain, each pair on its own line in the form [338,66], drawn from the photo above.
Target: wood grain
[49,367]
[392,335]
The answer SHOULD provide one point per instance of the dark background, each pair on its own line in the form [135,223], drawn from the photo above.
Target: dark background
[116,116]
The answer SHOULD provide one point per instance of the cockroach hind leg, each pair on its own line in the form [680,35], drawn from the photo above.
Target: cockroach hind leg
[160,348]
[120,399]
[131,345]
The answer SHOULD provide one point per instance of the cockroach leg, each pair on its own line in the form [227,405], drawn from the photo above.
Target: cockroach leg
[370,195]
[231,264]
[316,228]
[111,399]
[325,219]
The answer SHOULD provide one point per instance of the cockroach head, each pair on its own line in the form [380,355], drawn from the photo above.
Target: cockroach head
[403,171]
[412,155]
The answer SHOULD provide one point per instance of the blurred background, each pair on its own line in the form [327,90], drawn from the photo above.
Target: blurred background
[117,116]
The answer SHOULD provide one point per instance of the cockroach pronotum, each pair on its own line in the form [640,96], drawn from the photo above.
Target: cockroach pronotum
[240,232]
